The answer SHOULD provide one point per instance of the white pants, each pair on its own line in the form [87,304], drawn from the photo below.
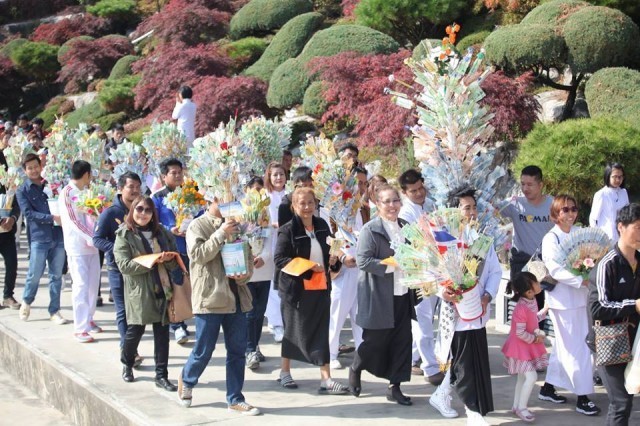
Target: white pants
[570,364]
[423,341]
[344,301]
[273,312]
[85,273]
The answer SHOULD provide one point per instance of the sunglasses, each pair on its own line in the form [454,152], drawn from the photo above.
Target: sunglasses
[573,209]
[145,210]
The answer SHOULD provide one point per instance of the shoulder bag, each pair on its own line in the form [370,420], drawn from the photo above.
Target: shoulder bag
[179,307]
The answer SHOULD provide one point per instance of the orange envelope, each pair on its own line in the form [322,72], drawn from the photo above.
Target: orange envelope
[318,281]
[298,266]
[389,261]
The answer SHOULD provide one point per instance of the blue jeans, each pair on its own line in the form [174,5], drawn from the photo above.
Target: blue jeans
[116,284]
[234,327]
[53,255]
[255,317]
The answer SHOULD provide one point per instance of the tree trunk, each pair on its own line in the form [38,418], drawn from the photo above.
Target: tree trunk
[571,99]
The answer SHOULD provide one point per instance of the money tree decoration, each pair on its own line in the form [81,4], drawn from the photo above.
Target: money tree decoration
[267,138]
[164,141]
[13,176]
[129,157]
[453,128]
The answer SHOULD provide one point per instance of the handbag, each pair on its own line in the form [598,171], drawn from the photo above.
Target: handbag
[179,307]
[536,266]
[612,343]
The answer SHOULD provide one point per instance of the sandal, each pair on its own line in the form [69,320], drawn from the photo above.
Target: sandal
[333,388]
[525,415]
[287,382]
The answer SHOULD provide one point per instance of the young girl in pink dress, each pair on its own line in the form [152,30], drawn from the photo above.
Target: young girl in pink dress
[524,349]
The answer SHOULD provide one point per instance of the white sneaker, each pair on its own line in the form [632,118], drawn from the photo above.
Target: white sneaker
[474,418]
[25,310]
[335,365]
[441,401]
[278,333]
[57,318]
[252,360]
[181,336]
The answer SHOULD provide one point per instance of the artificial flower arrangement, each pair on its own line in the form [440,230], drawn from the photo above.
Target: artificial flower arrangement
[129,157]
[266,137]
[13,175]
[95,199]
[185,202]
[254,221]
[164,141]
[582,249]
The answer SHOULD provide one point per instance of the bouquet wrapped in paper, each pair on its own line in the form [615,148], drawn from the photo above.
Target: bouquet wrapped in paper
[162,142]
[221,164]
[254,221]
[582,249]
[95,199]
[185,202]
[129,157]
[267,138]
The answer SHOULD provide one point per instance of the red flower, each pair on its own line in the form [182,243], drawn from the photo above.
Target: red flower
[224,146]
[317,169]
[346,195]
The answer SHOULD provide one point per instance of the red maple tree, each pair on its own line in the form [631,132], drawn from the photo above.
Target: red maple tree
[66,29]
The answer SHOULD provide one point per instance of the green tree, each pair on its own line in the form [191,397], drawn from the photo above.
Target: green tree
[36,60]
[408,20]
[565,35]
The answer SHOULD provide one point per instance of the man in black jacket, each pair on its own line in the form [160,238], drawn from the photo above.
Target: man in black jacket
[8,248]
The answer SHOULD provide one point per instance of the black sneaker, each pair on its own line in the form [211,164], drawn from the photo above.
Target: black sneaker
[548,393]
[597,380]
[587,407]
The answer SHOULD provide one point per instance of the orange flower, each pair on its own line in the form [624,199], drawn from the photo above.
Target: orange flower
[447,52]
[442,56]
[448,29]
[452,38]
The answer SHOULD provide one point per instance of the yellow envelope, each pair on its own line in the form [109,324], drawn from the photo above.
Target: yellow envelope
[298,266]
[389,261]
[148,260]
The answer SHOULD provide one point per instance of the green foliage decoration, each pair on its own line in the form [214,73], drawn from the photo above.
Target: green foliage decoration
[286,44]
[36,60]
[614,92]
[259,17]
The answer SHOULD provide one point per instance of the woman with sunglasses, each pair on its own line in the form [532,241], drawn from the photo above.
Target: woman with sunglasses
[145,288]
[570,364]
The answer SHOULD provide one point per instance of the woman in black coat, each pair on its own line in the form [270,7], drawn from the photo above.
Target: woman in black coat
[305,311]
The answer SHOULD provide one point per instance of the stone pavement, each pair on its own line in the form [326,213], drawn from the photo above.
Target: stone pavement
[83,382]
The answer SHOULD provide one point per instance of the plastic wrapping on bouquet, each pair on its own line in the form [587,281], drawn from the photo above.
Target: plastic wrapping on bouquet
[469,306]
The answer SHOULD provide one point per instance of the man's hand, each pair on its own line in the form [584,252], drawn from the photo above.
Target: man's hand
[230,227]
[258,262]
[176,231]
[638,306]
[485,301]
[449,295]
[240,277]
[56,219]
[7,223]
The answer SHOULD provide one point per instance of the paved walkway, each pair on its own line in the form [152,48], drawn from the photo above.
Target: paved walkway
[97,369]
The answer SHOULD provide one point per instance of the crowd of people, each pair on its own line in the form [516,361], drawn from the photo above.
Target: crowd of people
[392,329]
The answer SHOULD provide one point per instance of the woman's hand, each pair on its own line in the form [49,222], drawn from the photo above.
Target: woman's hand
[239,277]
[449,295]
[165,257]
[585,283]
[317,268]
[349,262]
[258,262]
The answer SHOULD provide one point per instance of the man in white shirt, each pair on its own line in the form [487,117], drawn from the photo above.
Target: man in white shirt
[185,114]
[83,257]
[414,205]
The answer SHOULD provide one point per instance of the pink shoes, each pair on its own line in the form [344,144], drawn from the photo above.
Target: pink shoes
[524,414]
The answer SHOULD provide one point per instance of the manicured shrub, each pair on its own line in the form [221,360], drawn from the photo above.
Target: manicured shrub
[48,115]
[407,20]
[314,103]
[67,45]
[471,40]
[36,60]
[88,113]
[630,8]
[114,9]
[286,44]
[182,21]
[109,120]
[259,17]
[553,12]
[12,45]
[117,95]
[246,50]
[614,92]
[122,68]
[573,154]
[92,59]
[172,66]
[66,29]
[288,84]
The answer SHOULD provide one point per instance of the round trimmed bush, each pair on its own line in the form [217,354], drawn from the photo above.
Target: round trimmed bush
[536,44]
[247,50]
[599,37]
[314,103]
[615,92]
[288,84]
[8,48]
[122,68]
[67,45]
[36,60]
[573,154]
[117,95]
[259,17]
[286,44]
[472,40]
[88,113]
[553,12]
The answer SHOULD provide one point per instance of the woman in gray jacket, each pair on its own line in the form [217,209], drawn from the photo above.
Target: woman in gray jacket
[385,307]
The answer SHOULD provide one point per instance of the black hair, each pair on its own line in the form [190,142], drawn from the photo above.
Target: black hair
[79,168]
[287,153]
[23,117]
[301,174]
[39,121]
[409,177]
[117,126]
[453,199]
[186,92]
[533,171]
[628,214]
[349,146]
[520,284]
[122,180]
[253,181]
[165,164]
[609,169]
[29,158]
[358,169]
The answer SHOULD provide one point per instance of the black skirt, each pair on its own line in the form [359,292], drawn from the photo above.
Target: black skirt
[306,328]
[386,353]
[470,372]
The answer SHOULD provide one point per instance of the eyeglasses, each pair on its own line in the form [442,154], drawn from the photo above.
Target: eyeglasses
[145,210]
[573,209]
[390,202]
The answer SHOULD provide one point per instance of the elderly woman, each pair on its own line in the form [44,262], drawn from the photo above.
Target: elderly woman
[570,364]
[385,307]
[305,298]
[608,200]
[145,288]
